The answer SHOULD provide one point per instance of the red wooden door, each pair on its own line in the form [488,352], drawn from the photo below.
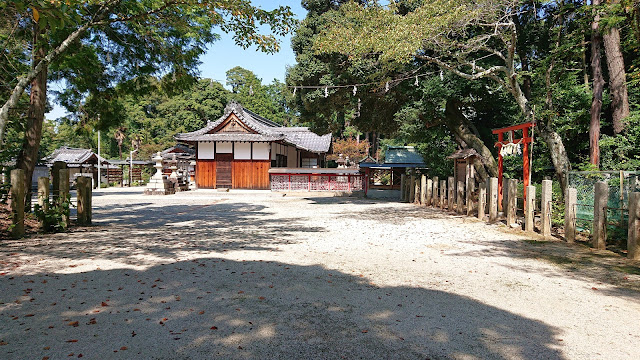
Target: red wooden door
[223,170]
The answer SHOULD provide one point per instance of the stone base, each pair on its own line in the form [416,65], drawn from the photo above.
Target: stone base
[149,191]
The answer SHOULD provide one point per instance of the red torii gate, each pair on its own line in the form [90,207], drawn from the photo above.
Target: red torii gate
[525,140]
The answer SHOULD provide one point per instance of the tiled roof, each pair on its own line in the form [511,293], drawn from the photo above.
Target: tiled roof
[266,130]
[463,154]
[71,155]
[403,155]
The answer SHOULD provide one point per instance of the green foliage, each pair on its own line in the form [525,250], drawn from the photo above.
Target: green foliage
[53,219]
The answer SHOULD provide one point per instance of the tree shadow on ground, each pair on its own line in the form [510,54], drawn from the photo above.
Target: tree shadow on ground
[572,260]
[135,232]
[217,308]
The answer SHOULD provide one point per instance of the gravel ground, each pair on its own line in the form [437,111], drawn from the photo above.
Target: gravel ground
[258,275]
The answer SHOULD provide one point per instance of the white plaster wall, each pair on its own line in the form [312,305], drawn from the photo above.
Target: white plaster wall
[261,151]
[292,157]
[224,147]
[242,151]
[205,150]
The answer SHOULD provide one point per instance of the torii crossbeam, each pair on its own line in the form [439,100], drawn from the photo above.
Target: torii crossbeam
[525,141]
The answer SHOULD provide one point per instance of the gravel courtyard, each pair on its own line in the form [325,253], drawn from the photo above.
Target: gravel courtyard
[258,275]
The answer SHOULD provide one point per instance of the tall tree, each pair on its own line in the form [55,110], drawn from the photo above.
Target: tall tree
[107,41]
[597,88]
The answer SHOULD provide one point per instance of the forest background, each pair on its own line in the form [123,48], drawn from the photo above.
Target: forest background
[435,74]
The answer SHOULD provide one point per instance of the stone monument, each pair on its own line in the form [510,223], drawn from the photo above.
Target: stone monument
[159,184]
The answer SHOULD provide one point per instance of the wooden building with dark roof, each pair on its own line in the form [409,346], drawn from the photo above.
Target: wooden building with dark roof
[237,150]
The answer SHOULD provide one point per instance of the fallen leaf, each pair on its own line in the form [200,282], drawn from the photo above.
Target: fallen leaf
[261,298]
[80,355]
[123,348]
[136,310]
[29,315]
[45,358]
[74,324]
[46,348]
[2,343]
[104,304]
[365,331]
[214,328]
[201,312]
[593,288]
[72,341]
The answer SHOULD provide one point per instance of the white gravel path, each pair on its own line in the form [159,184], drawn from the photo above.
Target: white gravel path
[255,275]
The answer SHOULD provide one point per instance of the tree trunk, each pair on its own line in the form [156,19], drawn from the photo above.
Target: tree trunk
[28,156]
[617,77]
[598,87]
[457,123]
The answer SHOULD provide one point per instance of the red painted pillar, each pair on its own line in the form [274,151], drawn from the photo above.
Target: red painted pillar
[525,160]
[500,139]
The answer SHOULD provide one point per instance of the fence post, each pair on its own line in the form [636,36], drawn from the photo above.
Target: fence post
[427,187]
[43,193]
[460,197]
[434,192]
[482,200]
[529,209]
[403,180]
[512,201]
[545,208]
[471,188]
[492,194]
[17,203]
[451,194]
[633,239]
[600,215]
[55,177]
[443,193]
[412,185]
[570,204]
[82,200]
[63,191]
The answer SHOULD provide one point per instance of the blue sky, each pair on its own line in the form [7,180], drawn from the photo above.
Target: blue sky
[225,54]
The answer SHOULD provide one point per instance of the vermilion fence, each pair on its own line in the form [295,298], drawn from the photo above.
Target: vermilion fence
[315,182]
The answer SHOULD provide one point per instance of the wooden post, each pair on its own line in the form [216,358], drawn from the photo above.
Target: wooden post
[403,181]
[633,239]
[443,193]
[545,208]
[63,190]
[427,188]
[570,204]
[55,177]
[471,188]
[412,185]
[492,195]
[43,193]
[434,192]
[601,190]
[417,190]
[460,197]
[17,203]
[529,209]
[84,200]
[512,201]
[482,200]
[451,193]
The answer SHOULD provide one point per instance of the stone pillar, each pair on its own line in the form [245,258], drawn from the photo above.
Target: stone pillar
[570,205]
[601,190]
[427,188]
[443,193]
[403,182]
[492,198]
[434,192]
[412,185]
[17,203]
[482,200]
[84,200]
[512,201]
[63,191]
[417,190]
[43,193]
[545,208]
[55,177]
[529,209]
[451,193]
[633,239]
[471,188]
[460,198]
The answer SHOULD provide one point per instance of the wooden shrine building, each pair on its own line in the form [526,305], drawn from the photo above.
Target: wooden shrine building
[237,150]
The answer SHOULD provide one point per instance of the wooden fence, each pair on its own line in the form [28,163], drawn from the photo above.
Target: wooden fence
[481,200]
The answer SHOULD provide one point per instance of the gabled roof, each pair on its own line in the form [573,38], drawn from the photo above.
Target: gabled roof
[71,155]
[403,155]
[264,130]
[180,150]
[463,154]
